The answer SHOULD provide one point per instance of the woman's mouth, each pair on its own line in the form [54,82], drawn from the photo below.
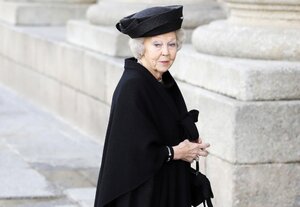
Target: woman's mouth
[164,62]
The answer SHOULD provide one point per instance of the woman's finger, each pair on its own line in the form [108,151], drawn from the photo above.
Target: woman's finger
[203,153]
[204,145]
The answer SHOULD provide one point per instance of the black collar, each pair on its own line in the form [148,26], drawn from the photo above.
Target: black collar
[169,82]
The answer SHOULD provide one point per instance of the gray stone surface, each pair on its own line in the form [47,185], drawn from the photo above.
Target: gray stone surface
[224,39]
[25,13]
[114,72]
[221,176]
[280,13]
[60,148]
[54,79]
[30,45]
[65,206]
[82,195]
[243,79]
[104,39]
[41,157]
[54,1]
[247,132]
[107,13]
[57,150]
[92,114]
[95,77]
[20,183]
[267,185]
[17,178]
[37,202]
[71,66]
[259,185]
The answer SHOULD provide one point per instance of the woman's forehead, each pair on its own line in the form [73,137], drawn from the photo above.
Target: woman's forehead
[163,37]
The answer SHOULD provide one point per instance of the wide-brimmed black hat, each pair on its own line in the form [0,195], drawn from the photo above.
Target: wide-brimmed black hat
[152,21]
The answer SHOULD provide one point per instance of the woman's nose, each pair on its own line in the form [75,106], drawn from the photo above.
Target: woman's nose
[165,50]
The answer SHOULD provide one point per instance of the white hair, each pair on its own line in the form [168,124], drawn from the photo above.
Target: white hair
[137,44]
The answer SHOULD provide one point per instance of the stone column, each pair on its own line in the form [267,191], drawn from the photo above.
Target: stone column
[255,29]
[41,12]
[99,33]
[247,70]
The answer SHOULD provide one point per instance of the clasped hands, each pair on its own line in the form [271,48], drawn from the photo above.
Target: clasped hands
[190,151]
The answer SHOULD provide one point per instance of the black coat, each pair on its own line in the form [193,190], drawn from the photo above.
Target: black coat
[146,116]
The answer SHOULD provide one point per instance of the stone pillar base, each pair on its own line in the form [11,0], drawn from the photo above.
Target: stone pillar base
[243,79]
[26,13]
[249,137]
[104,39]
[254,42]
[260,185]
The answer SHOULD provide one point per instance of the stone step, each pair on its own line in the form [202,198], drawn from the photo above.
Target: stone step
[34,13]
[44,69]
[104,39]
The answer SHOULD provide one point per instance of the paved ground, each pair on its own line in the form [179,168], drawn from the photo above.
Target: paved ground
[43,161]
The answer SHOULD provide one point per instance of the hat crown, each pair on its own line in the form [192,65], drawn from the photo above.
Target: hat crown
[152,21]
[152,11]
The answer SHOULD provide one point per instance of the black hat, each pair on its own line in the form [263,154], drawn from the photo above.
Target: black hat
[152,21]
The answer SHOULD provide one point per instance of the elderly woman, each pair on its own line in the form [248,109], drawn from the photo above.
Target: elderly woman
[151,138]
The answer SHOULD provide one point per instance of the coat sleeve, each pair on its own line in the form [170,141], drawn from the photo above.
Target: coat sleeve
[134,150]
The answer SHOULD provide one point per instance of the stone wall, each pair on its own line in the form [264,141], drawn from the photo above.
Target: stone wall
[62,78]
[243,77]
[250,65]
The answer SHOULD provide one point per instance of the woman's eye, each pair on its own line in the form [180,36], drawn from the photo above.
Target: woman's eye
[172,44]
[157,45]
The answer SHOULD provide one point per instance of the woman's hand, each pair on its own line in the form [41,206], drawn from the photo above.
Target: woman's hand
[189,151]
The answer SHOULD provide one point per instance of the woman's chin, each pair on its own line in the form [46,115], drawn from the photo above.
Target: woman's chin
[164,68]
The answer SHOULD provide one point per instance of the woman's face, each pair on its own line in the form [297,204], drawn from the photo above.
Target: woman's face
[159,53]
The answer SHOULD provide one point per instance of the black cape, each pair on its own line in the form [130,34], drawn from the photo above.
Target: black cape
[146,116]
